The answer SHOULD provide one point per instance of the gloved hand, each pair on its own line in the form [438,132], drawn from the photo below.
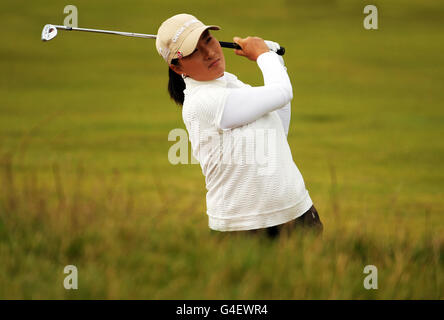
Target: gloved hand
[274,46]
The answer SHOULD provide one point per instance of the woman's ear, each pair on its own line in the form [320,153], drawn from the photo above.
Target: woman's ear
[176,68]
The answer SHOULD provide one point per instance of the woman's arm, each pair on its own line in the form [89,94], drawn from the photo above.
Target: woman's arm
[284,112]
[285,115]
[245,105]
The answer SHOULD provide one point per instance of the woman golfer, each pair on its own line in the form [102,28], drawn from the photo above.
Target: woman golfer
[238,133]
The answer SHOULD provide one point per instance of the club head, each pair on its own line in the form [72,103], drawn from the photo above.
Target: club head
[48,32]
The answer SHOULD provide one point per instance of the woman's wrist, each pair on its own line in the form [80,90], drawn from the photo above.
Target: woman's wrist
[261,59]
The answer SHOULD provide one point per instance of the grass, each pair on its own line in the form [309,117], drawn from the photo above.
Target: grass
[85,178]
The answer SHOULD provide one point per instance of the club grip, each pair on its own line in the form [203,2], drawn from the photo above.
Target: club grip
[233,45]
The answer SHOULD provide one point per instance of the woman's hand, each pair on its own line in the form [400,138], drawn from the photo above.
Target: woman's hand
[252,47]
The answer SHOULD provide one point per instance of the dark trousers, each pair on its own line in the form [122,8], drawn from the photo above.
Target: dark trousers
[309,221]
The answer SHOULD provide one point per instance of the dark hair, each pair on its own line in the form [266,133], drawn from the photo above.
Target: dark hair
[176,85]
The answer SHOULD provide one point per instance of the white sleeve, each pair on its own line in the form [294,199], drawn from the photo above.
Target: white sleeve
[245,105]
[285,115]
[285,112]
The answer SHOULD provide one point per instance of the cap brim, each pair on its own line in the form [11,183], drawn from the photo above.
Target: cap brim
[190,43]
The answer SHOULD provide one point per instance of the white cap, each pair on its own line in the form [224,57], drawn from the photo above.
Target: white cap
[178,36]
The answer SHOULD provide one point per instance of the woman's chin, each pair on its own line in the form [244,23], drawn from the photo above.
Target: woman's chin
[220,72]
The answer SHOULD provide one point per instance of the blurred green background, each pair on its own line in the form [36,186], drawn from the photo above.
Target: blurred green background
[85,178]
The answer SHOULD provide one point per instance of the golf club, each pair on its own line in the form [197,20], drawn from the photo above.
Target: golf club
[49,32]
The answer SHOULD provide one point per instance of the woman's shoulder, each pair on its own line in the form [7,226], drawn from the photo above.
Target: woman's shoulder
[204,94]
[204,103]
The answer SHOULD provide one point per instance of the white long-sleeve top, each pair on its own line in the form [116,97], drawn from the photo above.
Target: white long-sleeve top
[239,139]
[247,105]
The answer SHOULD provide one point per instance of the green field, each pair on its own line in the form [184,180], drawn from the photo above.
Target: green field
[85,178]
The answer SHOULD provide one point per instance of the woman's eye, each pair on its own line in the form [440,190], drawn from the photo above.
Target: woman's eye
[209,39]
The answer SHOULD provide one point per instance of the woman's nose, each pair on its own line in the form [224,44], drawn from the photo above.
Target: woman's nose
[209,53]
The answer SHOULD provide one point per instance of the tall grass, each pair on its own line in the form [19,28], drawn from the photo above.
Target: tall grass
[127,248]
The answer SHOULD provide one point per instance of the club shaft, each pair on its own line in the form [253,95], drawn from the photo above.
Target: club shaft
[223,44]
[120,33]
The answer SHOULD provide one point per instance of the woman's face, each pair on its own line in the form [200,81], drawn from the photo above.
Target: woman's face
[207,62]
